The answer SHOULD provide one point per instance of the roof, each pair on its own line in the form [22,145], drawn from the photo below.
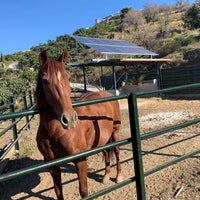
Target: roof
[108,46]
[120,62]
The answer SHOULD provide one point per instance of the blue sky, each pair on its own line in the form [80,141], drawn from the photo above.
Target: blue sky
[27,23]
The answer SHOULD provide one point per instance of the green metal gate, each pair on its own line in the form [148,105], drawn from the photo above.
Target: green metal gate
[135,140]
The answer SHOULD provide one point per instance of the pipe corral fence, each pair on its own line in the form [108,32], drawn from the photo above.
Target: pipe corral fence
[135,139]
[19,103]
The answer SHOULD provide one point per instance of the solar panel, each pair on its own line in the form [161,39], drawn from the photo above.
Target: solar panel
[107,46]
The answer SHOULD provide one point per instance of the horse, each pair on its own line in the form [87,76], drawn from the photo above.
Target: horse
[68,130]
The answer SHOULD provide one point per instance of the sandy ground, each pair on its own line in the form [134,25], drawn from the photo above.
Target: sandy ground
[154,113]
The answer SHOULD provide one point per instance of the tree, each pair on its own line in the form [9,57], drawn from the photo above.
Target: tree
[150,11]
[132,19]
[145,36]
[192,16]
[182,4]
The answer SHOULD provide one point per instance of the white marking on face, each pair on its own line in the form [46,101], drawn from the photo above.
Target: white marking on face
[59,76]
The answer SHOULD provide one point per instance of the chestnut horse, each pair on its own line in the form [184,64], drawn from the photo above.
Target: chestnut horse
[67,130]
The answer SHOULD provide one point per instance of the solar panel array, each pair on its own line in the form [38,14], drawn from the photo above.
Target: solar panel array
[107,46]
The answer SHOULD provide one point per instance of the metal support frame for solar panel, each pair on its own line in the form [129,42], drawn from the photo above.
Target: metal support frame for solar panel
[114,47]
[124,63]
[122,48]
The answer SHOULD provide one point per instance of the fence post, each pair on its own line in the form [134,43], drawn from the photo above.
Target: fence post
[15,136]
[30,98]
[136,145]
[25,108]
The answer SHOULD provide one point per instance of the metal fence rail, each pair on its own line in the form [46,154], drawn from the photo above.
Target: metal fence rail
[10,109]
[138,164]
[135,140]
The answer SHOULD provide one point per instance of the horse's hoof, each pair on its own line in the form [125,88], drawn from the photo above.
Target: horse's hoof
[105,180]
[119,179]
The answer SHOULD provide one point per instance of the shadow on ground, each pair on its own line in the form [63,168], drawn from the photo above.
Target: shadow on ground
[26,183]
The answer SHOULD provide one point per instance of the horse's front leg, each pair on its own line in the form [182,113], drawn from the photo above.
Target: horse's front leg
[81,168]
[56,175]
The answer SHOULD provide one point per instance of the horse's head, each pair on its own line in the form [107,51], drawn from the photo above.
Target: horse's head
[55,86]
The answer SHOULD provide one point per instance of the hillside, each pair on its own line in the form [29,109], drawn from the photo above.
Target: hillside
[160,29]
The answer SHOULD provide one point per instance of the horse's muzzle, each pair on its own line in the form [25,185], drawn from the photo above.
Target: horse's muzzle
[69,121]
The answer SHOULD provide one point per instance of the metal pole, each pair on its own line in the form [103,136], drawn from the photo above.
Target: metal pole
[26,108]
[30,98]
[77,57]
[136,145]
[158,72]
[114,78]
[12,109]
[84,76]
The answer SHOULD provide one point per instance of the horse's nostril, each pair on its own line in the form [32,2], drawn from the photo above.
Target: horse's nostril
[68,123]
[64,119]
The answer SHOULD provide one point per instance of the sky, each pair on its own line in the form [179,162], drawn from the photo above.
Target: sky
[28,23]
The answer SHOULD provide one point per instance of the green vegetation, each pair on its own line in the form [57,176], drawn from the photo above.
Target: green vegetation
[14,83]
[192,16]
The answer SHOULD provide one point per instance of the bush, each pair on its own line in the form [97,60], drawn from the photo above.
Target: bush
[169,47]
[182,40]
[192,17]
[14,83]
[5,94]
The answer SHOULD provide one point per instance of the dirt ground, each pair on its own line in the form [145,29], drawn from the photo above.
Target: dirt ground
[180,181]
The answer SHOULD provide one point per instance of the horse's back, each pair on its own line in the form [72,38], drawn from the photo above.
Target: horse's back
[95,95]
[111,108]
[101,94]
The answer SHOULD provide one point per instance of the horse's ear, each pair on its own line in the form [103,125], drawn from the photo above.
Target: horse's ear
[43,57]
[63,57]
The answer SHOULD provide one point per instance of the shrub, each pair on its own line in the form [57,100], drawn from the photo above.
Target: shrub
[184,40]
[169,47]
[5,94]
[14,83]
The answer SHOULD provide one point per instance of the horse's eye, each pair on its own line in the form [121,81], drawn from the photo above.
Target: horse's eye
[44,81]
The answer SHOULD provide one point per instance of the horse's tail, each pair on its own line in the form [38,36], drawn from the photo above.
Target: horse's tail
[110,153]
